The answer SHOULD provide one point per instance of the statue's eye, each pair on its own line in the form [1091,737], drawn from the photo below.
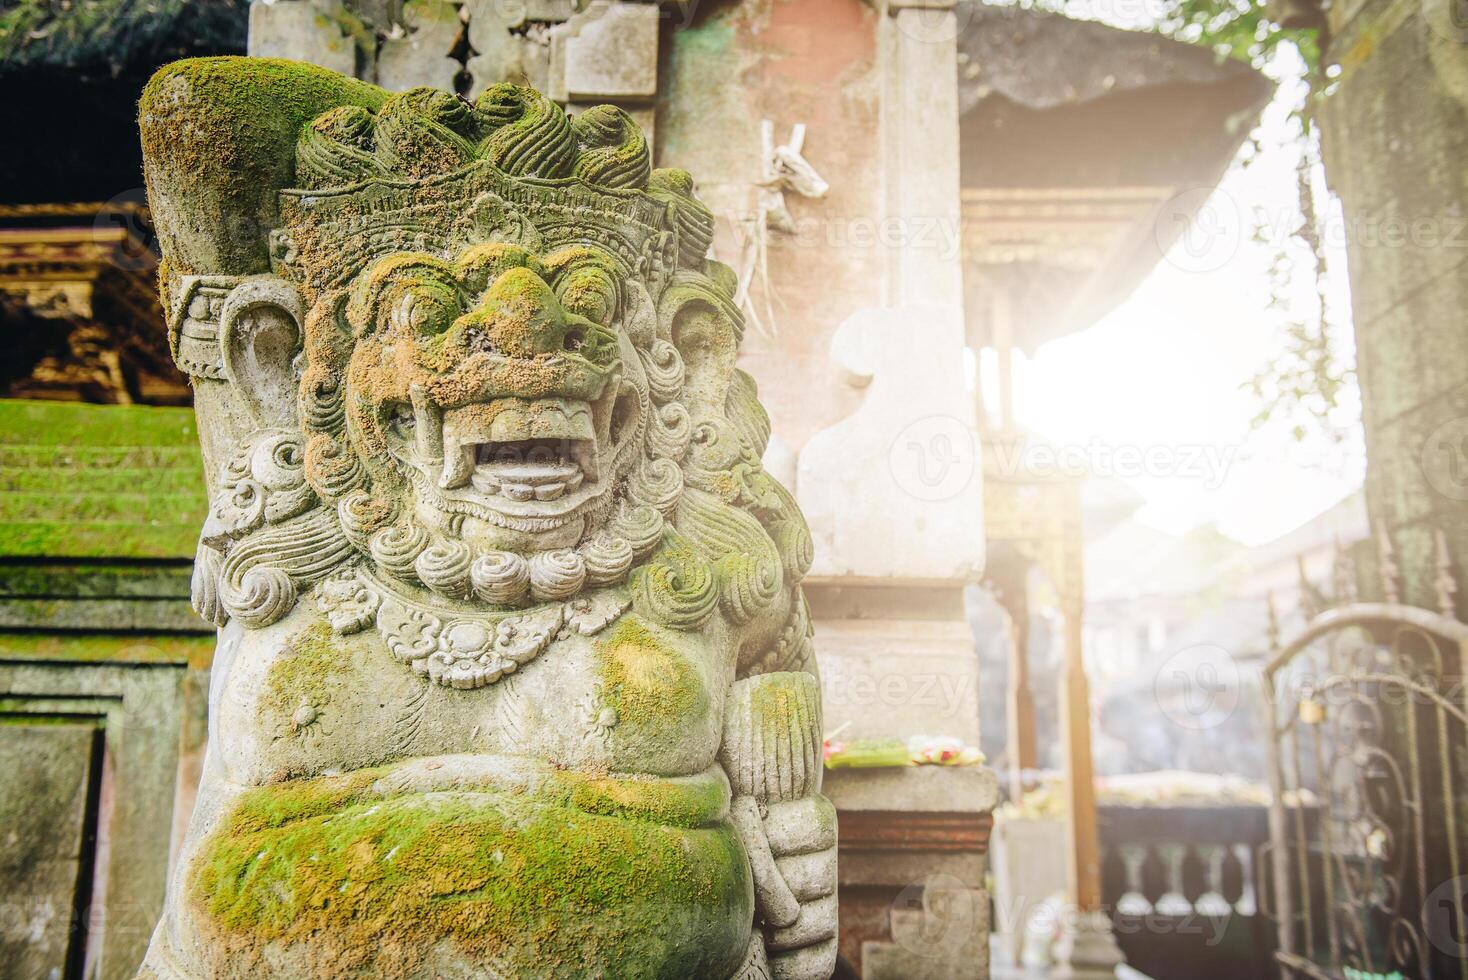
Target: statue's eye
[400,419]
[427,307]
[590,292]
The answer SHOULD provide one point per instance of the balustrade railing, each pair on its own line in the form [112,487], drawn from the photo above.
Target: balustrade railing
[1183,886]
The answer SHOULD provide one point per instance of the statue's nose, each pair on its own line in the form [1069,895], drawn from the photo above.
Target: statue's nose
[521,316]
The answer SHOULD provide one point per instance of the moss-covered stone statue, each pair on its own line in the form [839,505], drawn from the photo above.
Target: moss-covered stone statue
[514,675]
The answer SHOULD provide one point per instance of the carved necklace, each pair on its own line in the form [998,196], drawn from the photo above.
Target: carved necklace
[458,648]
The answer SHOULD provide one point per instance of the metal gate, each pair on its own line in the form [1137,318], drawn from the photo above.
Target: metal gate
[1368,760]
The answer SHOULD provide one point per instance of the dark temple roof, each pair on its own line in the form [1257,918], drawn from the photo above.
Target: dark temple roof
[1041,61]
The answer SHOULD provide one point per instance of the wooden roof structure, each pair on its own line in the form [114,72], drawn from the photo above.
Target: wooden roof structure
[1079,142]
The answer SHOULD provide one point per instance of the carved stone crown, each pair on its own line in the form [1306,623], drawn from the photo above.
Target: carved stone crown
[428,172]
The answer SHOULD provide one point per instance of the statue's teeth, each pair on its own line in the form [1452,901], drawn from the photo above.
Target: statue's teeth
[428,427]
[549,491]
[517,491]
[484,481]
[458,466]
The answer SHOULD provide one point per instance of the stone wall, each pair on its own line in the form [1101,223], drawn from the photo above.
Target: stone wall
[103,678]
[1396,137]
[814,62]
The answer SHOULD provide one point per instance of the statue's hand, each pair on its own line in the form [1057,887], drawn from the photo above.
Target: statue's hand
[772,754]
[802,839]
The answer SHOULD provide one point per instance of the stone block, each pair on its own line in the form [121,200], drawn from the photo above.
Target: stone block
[940,933]
[930,789]
[134,707]
[607,52]
[501,52]
[421,56]
[302,30]
[43,806]
[895,491]
[897,678]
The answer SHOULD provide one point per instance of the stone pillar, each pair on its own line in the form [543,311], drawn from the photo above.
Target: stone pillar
[894,498]
[1395,133]
[914,905]
[919,68]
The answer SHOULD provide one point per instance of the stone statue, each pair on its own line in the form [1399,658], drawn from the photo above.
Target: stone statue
[514,674]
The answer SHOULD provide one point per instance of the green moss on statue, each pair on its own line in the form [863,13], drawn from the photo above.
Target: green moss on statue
[646,681]
[224,131]
[372,886]
[691,803]
[303,675]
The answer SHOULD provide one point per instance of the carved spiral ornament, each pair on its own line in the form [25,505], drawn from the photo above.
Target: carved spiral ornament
[277,462]
[556,575]
[608,558]
[641,526]
[333,468]
[397,548]
[256,595]
[613,149]
[363,515]
[663,367]
[657,483]
[676,588]
[501,577]
[444,567]
[669,431]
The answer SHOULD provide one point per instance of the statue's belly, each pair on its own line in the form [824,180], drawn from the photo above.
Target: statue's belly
[303,702]
[330,877]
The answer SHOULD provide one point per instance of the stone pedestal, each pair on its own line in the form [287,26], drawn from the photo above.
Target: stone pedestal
[1029,866]
[1086,949]
[912,860]
[893,494]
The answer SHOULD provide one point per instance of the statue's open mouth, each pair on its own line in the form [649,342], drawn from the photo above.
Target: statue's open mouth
[533,469]
[543,457]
